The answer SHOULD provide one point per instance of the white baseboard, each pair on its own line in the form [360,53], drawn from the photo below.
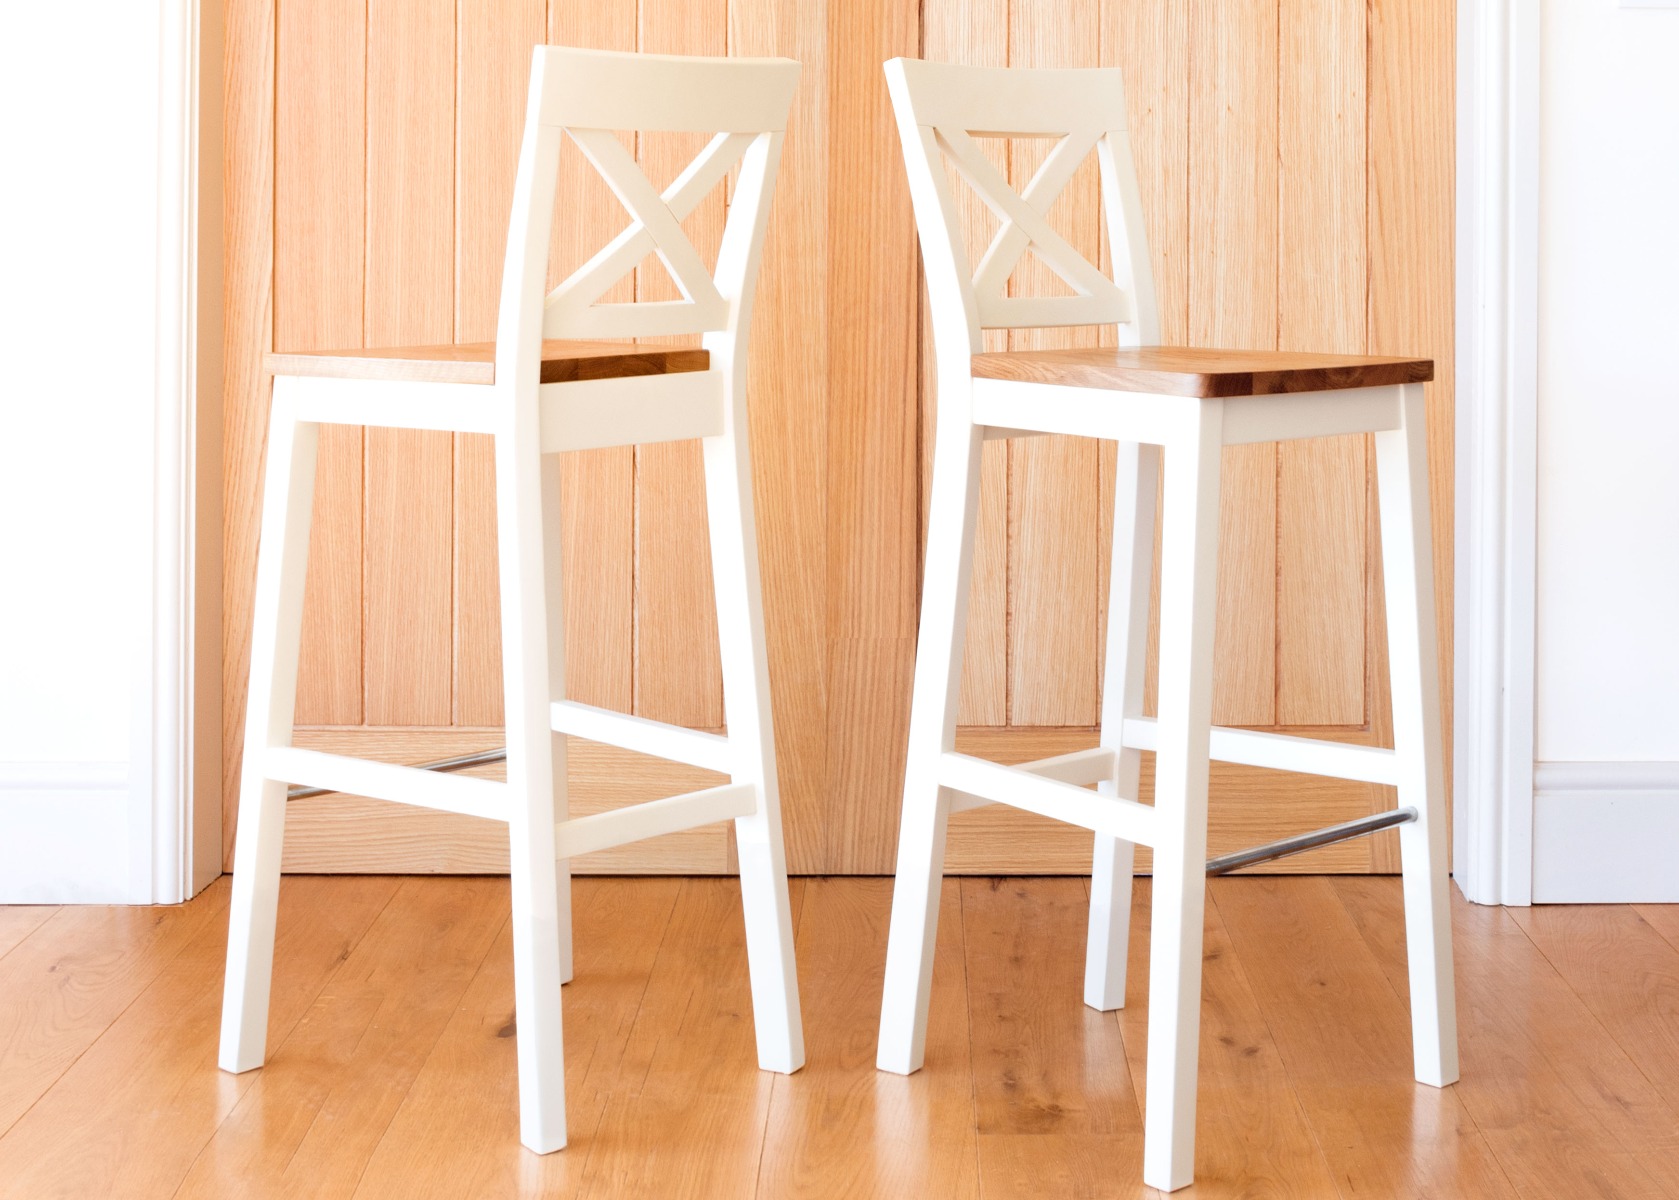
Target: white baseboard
[64,833]
[1606,833]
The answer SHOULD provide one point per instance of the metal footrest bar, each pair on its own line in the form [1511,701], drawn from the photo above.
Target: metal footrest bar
[459,763]
[1310,841]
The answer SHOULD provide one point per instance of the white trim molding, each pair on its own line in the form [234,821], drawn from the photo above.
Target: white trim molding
[1607,833]
[174,818]
[65,833]
[1497,363]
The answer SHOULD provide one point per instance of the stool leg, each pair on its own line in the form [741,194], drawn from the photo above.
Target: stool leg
[1188,595]
[746,697]
[1122,696]
[271,701]
[553,522]
[1407,567]
[530,790]
[932,732]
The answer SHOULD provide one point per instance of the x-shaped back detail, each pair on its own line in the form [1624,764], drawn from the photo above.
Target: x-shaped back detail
[573,308]
[1024,226]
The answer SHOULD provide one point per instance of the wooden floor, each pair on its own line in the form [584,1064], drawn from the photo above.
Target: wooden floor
[392,1069]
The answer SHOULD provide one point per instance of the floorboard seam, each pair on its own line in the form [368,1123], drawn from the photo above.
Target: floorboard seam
[1270,1035]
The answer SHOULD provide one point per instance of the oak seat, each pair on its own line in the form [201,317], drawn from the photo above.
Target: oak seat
[563,361]
[1204,373]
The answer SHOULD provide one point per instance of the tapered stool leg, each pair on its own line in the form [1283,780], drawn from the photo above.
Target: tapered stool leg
[1188,595]
[553,521]
[932,732]
[746,697]
[1108,938]
[1407,568]
[276,629]
[530,790]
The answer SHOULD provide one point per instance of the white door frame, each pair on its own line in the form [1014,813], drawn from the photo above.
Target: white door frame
[175,807]
[1497,314]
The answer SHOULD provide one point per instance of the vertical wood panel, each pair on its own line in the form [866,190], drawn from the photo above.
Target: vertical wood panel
[408,556]
[1320,306]
[1410,233]
[248,282]
[1233,303]
[1269,220]
[1149,41]
[975,32]
[319,209]
[873,504]
[598,485]
[678,675]
[787,407]
[1054,657]
[492,77]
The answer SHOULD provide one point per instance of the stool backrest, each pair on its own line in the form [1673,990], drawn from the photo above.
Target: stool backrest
[590,95]
[941,108]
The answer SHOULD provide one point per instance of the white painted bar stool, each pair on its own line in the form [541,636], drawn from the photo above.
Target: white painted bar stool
[1192,403]
[536,398]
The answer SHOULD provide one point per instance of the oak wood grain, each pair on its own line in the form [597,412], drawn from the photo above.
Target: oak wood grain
[920,1129]
[678,668]
[707,1128]
[475,362]
[18,921]
[407,585]
[1191,371]
[314,1115]
[1345,1035]
[787,412]
[64,986]
[1054,1106]
[975,32]
[1322,290]
[247,334]
[392,1068]
[1232,136]
[1625,972]
[1054,522]
[320,202]
[452,1133]
[1412,133]
[136,1109]
[873,505]
[1563,1108]
[493,42]
[1253,1135]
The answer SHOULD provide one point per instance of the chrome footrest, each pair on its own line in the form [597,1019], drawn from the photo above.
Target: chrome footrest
[1327,836]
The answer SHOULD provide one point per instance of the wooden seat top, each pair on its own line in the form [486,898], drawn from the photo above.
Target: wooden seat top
[475,362]
[1183,371]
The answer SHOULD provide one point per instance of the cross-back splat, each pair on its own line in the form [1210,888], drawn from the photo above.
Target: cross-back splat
[574,309]
[1025,226]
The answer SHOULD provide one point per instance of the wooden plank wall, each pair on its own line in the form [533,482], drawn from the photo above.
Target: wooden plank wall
[1295,159]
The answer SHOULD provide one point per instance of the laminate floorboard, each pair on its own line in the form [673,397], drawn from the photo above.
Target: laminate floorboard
[1565,1111]
[391,1069]
[18,921]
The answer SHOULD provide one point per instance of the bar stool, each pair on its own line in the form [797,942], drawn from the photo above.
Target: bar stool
[537,397]
[1190,403]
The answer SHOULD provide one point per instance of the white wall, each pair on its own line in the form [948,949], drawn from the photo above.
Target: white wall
[1606,817]
[79,85]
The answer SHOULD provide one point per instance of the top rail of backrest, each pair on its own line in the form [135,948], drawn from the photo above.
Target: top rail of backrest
[941,108]
[607,89]
[1012,101]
